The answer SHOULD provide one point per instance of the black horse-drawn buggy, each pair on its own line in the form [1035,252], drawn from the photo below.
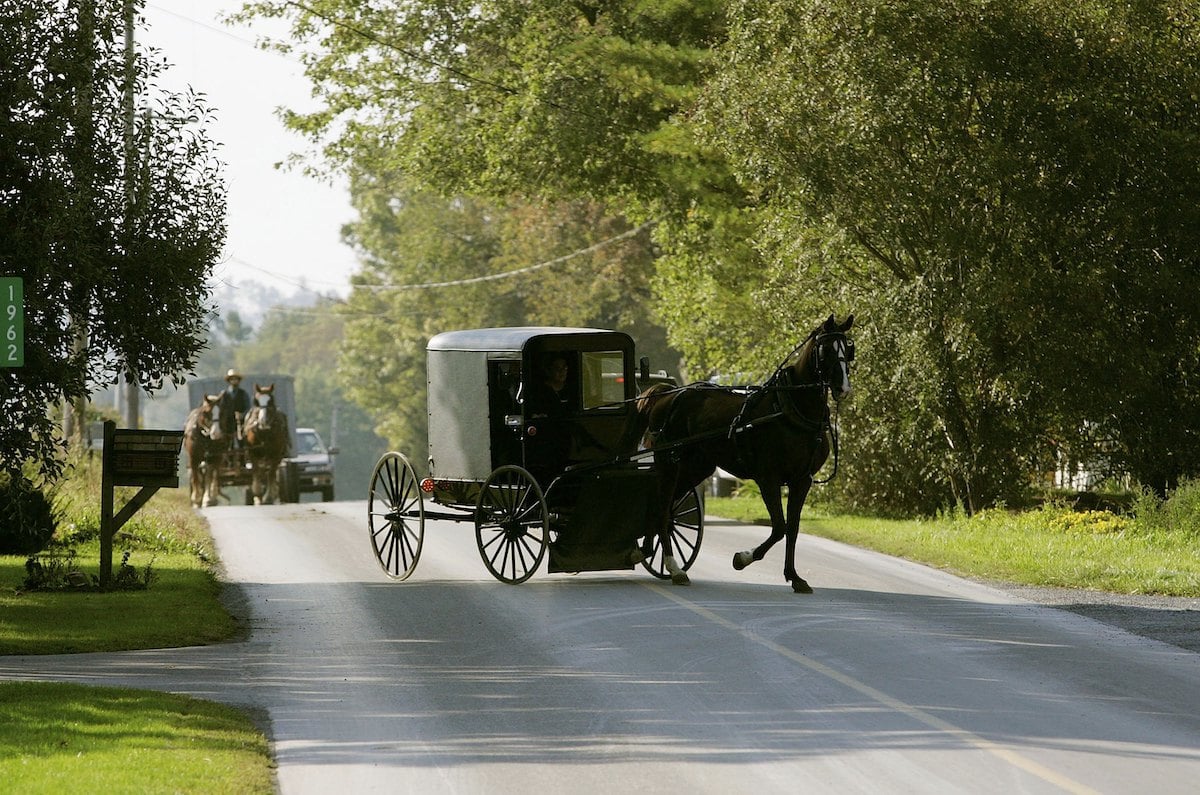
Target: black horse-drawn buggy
[534,478]
[538,436]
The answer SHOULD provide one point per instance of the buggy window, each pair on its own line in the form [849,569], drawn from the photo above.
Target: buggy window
[504,379]
[603,380]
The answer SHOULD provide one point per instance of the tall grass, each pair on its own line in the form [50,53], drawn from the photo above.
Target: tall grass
[1155,549]
[165,524]
[167,544]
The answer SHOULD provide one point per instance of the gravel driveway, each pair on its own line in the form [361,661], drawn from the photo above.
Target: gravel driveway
[1170,619]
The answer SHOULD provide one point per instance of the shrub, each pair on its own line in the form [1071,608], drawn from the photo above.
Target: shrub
[1088,522]
[26,518]
[1178,514]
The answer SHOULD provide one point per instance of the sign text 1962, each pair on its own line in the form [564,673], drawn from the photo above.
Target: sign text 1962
[12,321]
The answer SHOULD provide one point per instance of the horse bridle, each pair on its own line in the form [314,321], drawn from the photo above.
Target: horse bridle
[781,379]
[785,374]
[845,354]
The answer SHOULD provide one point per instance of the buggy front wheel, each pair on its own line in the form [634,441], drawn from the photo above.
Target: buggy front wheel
[687,531]
[396,516]
[511,525]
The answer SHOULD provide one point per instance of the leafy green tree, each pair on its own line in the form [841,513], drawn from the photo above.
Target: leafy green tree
[536,98]
[1008,193]
[568,104]
[114,244]
[232,327]
[1005,193]
[433,264]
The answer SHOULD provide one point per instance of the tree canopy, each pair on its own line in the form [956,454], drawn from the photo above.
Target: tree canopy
[1009,191]
[1004,193]
[114,235]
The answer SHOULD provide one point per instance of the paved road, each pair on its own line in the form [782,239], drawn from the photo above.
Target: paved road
[892,677]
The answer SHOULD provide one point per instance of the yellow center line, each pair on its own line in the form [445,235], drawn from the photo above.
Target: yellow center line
[916,713]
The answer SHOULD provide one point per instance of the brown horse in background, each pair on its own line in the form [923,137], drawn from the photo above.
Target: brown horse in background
[777,434]
[203,451]
[266,433]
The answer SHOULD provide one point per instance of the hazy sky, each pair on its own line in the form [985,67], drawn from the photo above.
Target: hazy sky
[283,226]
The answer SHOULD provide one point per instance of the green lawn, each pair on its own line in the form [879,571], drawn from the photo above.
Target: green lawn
[70,738]
[180,608]
[1143,554]
[57,738]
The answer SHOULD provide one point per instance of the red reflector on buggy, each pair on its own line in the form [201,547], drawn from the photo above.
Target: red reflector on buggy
[427,485]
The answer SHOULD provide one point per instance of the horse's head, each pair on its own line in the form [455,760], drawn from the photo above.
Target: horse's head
[264,396]
[207,404]
[822,360]
[200,419]
[833,351]
[261,417]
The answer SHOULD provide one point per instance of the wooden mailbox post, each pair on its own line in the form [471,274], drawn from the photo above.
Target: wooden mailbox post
[149,459]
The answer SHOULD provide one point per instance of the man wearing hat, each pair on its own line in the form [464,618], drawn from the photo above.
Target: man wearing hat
[233,406]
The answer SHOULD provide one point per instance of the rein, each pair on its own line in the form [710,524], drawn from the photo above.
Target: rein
[783,372]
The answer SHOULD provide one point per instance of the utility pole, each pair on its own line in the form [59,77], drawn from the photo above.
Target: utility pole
[130,414]
[75,411]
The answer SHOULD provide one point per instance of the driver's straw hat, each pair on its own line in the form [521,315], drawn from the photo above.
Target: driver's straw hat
[232,374]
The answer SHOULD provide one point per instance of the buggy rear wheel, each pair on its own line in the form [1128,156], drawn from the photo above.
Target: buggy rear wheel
[396,516]
[511,524]
[687,531]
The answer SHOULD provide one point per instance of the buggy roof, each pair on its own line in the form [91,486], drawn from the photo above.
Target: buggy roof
[504,339]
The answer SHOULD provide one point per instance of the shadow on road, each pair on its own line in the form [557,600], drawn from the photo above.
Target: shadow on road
[586,670]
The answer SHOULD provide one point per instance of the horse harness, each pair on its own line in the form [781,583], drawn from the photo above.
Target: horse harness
[780,382]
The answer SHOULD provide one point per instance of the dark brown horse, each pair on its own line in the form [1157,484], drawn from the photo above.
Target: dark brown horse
[266,433]
[203,452]
[777,434]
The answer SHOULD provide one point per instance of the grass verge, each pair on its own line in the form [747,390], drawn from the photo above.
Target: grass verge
[69,738]
[1155,550]
[180,608]
[73,738]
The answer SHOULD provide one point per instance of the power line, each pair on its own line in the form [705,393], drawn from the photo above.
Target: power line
[223,31]
[491,277]
[304,284]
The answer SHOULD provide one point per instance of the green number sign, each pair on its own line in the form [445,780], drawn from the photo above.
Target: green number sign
[12,321]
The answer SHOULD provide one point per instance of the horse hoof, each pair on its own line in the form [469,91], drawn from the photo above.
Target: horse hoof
[680,578]
[800,586]
[742,559]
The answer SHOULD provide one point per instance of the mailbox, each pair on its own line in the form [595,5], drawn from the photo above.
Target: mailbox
[145,458]
[149,459]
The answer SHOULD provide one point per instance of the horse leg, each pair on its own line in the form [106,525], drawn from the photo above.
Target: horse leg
[797,495]
[668,477]
[256,484]
[773,500]
[211,481]
[196,482]
[272,485]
